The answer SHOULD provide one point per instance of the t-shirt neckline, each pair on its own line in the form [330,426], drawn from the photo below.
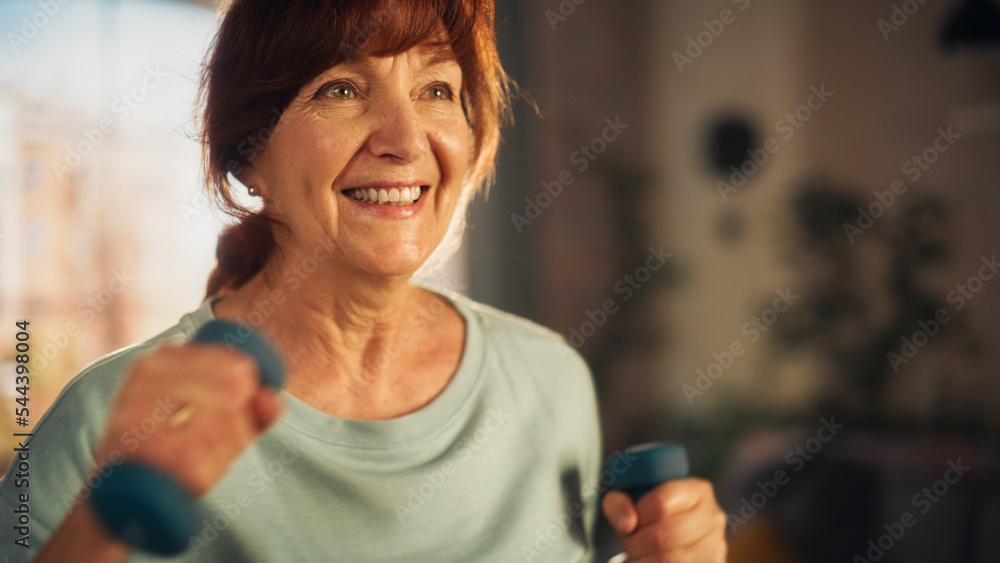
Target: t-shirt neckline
[407,430]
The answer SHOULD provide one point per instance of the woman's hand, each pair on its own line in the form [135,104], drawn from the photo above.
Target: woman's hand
[189,411]
[679,521]
[186,410]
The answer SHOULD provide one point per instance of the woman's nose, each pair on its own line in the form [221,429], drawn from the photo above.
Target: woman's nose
[397,132]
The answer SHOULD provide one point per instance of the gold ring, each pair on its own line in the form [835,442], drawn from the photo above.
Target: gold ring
[180,418]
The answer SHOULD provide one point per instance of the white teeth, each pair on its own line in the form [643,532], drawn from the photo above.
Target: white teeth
[392,196]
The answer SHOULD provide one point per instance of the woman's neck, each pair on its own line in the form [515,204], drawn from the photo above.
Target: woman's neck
[354,346]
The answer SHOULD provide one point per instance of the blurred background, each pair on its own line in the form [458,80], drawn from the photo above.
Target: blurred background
[768,225]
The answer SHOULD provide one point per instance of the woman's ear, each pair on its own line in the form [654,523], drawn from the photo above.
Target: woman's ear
[252,180]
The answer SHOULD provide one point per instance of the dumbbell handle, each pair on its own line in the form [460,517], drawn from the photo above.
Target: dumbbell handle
[145,507]
[640,469]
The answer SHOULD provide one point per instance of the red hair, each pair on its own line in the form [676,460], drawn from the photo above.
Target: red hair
[265,51]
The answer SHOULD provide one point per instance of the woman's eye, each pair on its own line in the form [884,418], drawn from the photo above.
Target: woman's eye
[440,92]
[339,91]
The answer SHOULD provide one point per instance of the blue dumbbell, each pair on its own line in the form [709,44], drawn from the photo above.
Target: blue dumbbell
[641,469]
[147,508]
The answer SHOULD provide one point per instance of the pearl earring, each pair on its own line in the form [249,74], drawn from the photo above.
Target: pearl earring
[252,190]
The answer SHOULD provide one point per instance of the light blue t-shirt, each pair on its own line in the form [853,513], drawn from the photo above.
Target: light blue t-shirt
[501,466]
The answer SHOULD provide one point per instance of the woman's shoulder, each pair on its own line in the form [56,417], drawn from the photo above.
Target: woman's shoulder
[89,392]
[496,321]
[543,346]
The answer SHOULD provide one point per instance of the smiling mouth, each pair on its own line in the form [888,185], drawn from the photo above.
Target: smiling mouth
[387,196]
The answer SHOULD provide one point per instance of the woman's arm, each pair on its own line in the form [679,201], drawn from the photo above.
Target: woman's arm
[230,412]
[82,538]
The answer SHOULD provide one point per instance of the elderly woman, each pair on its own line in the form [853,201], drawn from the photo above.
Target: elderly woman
[413,426]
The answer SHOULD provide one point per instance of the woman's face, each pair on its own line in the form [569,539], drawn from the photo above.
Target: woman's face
[372,154]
